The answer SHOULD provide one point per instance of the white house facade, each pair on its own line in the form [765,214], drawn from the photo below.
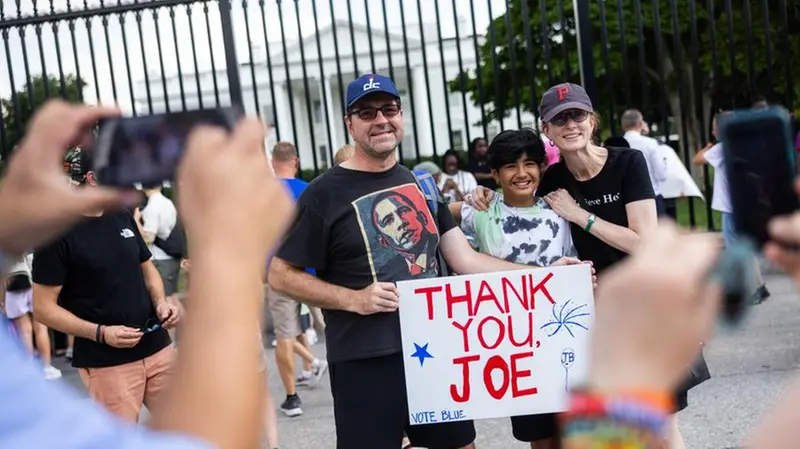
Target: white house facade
[316,101]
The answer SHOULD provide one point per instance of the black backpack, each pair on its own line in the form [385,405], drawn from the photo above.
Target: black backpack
[175,244]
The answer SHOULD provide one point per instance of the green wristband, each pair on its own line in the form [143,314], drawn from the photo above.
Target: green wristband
[590,222]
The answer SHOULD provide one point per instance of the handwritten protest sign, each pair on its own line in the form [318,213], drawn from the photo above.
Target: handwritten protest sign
[495,345]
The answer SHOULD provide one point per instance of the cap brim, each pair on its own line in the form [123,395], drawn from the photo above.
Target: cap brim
[563,107]
[371,92]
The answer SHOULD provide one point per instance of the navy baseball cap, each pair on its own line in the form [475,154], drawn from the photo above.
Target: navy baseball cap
[561,97]
[369,83]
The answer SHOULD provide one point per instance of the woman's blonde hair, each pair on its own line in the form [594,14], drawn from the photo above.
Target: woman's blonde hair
[342,154]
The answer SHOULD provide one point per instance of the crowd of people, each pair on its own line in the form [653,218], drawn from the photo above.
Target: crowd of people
[97,264]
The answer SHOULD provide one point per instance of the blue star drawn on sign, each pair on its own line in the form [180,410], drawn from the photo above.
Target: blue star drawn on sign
[564,321]
[421,352]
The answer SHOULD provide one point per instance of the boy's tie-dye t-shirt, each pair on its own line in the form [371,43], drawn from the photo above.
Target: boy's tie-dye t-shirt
[533,235]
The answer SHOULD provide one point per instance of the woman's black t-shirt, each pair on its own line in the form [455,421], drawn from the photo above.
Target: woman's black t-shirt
[622,180]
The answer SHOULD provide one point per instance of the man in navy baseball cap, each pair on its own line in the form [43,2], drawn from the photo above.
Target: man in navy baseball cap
[374,116]
[364,225]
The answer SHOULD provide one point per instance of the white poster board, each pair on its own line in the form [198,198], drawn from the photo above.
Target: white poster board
[495,345]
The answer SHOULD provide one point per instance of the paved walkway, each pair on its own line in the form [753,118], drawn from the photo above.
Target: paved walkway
[750,366]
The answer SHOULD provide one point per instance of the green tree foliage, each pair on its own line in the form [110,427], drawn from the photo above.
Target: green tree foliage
[21,105]
[708,59]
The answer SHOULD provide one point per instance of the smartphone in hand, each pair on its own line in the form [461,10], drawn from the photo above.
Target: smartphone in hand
[147,150]
[760,166]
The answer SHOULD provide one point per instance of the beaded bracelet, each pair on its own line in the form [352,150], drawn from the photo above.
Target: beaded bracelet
[603,433]
[628,420]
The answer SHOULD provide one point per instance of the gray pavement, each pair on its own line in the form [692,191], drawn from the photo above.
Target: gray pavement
[750,367]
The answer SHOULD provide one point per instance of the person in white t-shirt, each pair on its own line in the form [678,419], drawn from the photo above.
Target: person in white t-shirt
[455,182]
[634,126]
[713,155]
[158,219]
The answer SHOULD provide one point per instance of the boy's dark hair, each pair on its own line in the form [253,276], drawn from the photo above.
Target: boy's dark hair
[508,146]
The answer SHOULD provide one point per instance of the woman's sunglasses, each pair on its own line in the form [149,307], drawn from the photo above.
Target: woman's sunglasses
[369,113]
[577,116]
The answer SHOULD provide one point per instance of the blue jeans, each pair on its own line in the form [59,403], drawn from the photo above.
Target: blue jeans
[728,229]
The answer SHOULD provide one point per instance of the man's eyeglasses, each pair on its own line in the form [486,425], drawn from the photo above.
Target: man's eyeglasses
[369,113]
[577,116]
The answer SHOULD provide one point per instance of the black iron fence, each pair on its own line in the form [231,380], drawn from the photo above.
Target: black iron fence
[465,68]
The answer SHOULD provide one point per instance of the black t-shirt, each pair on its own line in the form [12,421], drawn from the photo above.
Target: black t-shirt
[355,228]
[481,166]
[622,180]
[98,265]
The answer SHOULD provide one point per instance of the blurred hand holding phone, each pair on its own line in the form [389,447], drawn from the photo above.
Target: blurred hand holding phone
[760,166]
[146,150]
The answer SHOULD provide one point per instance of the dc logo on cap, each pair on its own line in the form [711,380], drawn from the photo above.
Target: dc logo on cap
[371,84]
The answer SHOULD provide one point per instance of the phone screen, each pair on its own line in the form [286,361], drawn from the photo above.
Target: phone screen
[761,170]
[147,150]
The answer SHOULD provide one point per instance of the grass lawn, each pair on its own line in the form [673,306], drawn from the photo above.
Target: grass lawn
[700,214]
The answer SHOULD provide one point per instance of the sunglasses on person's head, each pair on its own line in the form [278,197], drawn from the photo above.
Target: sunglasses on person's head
[369,113]
[577,116]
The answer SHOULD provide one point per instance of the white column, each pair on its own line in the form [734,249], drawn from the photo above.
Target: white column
[283,118]
[420,111]
[334,120]
[303,144]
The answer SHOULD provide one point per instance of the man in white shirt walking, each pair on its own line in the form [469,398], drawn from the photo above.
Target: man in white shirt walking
[158,219]
[633,124]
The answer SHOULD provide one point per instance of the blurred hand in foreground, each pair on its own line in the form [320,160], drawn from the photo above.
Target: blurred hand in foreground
[37,202]
[234,211]
[654,310]
[229,193]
